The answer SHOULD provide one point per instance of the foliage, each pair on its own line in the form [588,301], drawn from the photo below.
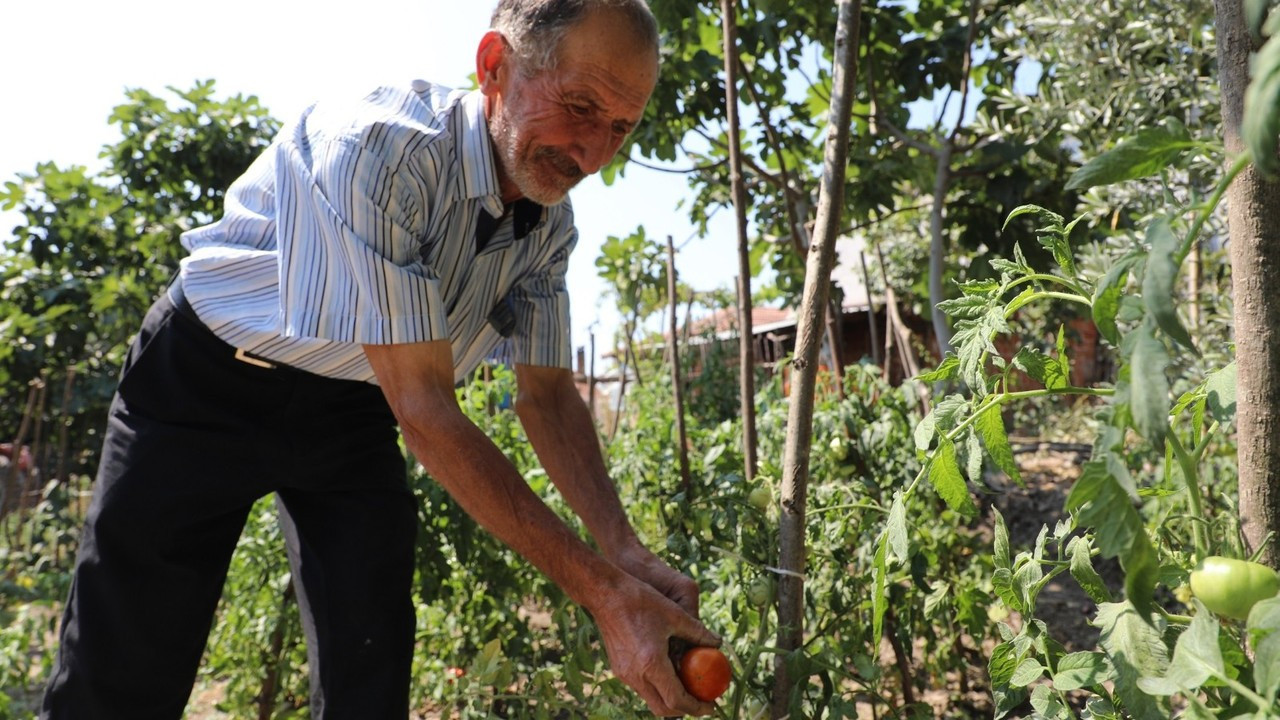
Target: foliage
[1120,506]
[95,248]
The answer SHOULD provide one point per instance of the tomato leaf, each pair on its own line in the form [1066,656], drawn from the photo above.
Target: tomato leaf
[1107,294]
[897,529]
[1135,646]
[1264,620]
[878,604]
[1141,569]
[1220,393]
[1082,570]
[1027,672]
[1163,266]
[991,425]
[1040,367]
[1196,657]
[944,475]
[1025,582]
[973,455]
[1149,388]
[1002,583]
[1260,125]
[947,370]
[1143,155]
[1047,705]
[1001,543]
[1081,670]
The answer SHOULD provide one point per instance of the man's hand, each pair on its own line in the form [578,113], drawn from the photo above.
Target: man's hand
[637,624]
[643,565]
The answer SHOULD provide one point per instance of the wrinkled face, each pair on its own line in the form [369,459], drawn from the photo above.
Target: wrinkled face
[552,128]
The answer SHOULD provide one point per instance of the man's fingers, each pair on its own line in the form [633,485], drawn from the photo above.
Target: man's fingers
[676,700]
[691,629]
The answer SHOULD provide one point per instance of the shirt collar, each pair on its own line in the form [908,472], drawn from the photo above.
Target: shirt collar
[478,175]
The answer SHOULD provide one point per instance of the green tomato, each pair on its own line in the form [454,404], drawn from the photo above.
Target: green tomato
[839,447]
[760,591]
[1230,587]
[760,498]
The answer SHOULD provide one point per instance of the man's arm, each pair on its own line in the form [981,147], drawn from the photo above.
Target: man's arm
[635,621]
[559,427]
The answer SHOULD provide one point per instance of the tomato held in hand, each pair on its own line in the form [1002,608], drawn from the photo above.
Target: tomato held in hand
[1231,587]
[705,673]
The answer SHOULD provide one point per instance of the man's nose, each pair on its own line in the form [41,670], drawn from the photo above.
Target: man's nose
[595,149]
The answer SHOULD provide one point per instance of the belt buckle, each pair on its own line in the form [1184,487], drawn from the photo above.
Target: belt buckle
[245,357]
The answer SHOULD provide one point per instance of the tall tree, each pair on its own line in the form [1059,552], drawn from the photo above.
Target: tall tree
[809,332]
[93,250]
[1254,223]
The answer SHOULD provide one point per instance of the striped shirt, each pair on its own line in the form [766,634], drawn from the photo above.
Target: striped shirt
[358,226]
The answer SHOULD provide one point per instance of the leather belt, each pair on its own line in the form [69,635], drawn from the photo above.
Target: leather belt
[180,303]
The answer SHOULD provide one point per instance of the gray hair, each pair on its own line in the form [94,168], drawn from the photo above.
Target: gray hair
[535,28]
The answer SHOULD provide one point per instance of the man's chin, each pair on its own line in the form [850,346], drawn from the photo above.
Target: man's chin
[545,195]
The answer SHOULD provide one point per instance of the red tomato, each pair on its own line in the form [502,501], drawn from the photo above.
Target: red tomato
[705,673]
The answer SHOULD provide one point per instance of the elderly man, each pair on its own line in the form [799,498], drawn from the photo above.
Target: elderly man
[367,261]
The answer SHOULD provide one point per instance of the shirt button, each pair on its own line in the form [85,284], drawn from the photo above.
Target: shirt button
[421,86]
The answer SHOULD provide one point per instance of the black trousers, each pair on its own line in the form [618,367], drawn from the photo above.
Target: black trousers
[194,437]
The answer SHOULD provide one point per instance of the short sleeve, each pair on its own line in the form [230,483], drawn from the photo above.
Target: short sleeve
[540,303]
[349,268]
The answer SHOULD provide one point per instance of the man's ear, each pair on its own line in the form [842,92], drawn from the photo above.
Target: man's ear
[491,61]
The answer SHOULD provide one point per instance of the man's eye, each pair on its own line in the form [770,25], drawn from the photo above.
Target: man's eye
[579,110]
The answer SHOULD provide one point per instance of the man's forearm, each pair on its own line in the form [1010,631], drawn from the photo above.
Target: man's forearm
[564,437]
[482,480]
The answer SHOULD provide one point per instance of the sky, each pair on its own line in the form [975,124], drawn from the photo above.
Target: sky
[72,61]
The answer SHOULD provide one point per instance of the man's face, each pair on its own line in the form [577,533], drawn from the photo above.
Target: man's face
[552,128]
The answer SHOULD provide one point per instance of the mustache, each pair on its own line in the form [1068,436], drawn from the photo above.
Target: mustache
[561,162]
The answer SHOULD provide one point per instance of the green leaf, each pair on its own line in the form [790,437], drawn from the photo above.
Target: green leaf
[1264,619]
[1101,502]
[1141,569]
[973,455]
[1255,12]
[1260,125]
[1001,541]
[897,528]
[1149,387]
[1031,210]
[1081,670]
[947,370]
[925,430]
[1002,583]
[1196,658]
[1027,672]
[1163,265]
[1220,393]
[1107,295]
[1135,646]
[1042,368]
[972,340]
[1005,659]
[944,475]
[1026,579]
[1047,704]
[878,595]
[1082,570]
[990,426]
[1143,155]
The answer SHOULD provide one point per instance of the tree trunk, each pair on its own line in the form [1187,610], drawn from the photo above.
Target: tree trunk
[1253,221]
[813,307]
[938,250]
[746,359]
